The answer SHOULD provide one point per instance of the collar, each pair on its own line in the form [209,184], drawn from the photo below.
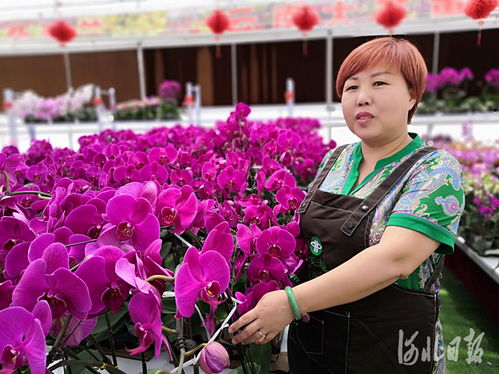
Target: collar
[416,143]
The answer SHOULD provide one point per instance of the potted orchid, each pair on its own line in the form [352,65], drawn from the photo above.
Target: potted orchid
[446,92]
[141,243]
[479,224]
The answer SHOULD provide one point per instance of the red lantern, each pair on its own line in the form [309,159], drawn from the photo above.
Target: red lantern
[97,101]
[62,31]
[479,9]
[7,105]
[305,18]
[390,15]
[218,22]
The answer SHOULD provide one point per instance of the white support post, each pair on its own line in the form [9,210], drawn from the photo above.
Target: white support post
[67,69]
[140,67]
[290,95]
[197,104]
[436,52]
[99,109]
[8,99]
[233,55]
[112,105]
[188,101]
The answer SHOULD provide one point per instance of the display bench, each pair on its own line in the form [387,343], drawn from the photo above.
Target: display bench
[479,274]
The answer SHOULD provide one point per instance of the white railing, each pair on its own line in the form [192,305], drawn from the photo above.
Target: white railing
[58,132]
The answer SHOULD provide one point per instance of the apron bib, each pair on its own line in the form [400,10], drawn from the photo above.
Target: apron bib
[372,334]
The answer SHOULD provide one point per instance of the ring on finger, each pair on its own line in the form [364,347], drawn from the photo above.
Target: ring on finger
[261,334]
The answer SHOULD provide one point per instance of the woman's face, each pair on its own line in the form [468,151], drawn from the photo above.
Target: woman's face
[375,104]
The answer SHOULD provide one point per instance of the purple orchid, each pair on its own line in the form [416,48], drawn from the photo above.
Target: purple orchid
[277,242]
[201,277]
[262,216]
[8,165]
[254,294]
[264,268]
[231,180]
[220,240]
[154,171]
[48,278]
[15,236]
[279,179]
[145,312]
[289,198]
[181,177]
[169,89]
[6,289]
[492,77]
[246,238]
[106,288]
[209,171]
[134,226]
[22,338]
[214,358]
[163,155]
[177,207]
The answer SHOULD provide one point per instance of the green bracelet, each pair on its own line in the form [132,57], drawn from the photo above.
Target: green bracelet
[292,303]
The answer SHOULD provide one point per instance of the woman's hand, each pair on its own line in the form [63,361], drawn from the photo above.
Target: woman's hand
[262,323]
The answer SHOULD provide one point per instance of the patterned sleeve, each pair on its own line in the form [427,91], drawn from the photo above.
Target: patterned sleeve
[432,200]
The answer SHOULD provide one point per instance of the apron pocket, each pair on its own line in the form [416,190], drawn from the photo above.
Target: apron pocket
[310,335]
[337,330]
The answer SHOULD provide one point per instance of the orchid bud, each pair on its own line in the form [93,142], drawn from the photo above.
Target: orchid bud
[214,358]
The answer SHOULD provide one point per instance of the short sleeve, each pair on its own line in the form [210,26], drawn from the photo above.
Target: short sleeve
[432,200]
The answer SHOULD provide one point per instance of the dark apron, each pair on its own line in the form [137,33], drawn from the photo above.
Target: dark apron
[373,334]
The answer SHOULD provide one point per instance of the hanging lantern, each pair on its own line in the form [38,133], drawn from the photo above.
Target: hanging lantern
[480,9]
[97,101]
[218,22]
[62,31]
[390,15]
[7,105]
[305,18]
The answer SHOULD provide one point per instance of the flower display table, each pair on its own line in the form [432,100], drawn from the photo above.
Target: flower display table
[480,276]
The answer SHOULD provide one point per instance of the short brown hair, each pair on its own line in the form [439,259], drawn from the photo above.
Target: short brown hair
[396,53]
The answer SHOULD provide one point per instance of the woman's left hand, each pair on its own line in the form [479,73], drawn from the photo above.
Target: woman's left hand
[262,323]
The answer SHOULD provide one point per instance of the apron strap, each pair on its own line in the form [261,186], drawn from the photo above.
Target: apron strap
[381,191]
[318,181]
[436,273]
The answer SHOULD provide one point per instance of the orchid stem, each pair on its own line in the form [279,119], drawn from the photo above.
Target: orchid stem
[61,333]
[158,276]
[111,339]
[180,336]
[185,242]
[39,193]
[86,242]
[144,363]
[194,350]
[171,331]
[97,345]
[7,183]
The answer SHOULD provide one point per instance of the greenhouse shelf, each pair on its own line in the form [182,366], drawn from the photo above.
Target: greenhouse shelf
[478,274]
[490,265]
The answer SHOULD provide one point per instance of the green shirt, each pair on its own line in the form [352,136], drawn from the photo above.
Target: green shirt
[429,198]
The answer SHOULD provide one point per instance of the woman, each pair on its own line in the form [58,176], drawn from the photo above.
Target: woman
[378,219]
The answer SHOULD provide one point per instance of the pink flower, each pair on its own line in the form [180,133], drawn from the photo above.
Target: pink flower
[279,179]
[214,358]
[201,277]
[177,207]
